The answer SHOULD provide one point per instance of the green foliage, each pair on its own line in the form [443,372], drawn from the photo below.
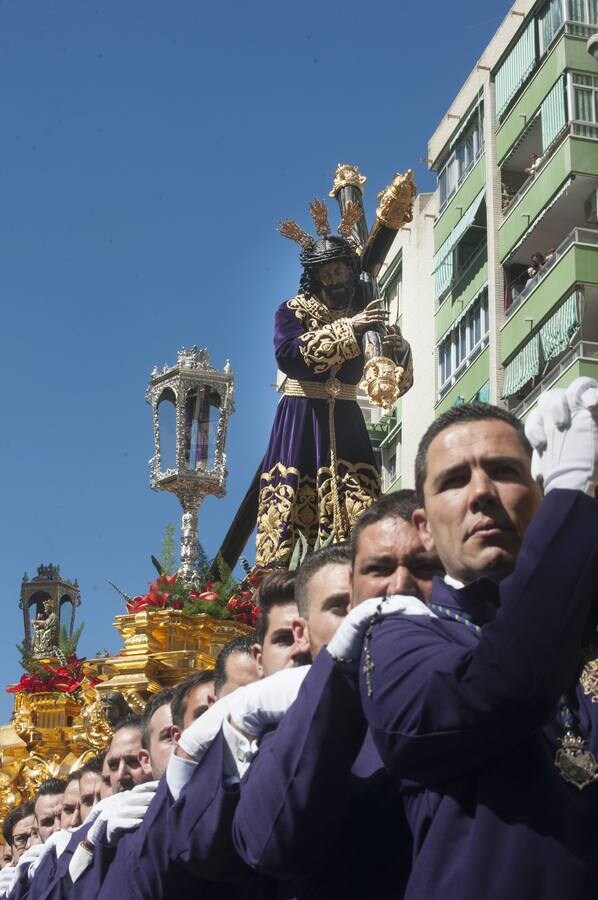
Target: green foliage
[68,645]
[203,564]
[169,550]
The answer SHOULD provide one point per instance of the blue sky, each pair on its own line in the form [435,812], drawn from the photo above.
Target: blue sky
[147,151]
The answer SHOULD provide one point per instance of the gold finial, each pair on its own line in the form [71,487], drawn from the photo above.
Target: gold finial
[396,201]
[294,232]
[319,213]
[352,213]
[347,174]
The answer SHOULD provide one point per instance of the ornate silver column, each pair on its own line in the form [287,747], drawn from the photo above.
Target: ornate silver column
[191,405]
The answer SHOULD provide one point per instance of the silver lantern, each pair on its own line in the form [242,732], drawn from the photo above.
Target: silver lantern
[191,404]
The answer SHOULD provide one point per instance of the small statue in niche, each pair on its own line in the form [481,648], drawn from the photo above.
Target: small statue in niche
[45,630]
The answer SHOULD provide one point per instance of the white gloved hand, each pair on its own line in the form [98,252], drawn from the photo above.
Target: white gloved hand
[6,878]
[257,706]
[199,736]
[129,813]
[346,645]
[28,858]
[563,430]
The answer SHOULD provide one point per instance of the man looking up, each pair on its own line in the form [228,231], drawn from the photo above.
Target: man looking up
[325,817]
[70,816]
[323,596]
[474,702]
[90,785]
[191,698]
[275,647]
[235,666]
[388,556]
[157,731]
[48,807]
[127,762]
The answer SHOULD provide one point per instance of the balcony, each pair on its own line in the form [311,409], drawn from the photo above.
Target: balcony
[555,197]
[452,211]
[587,237]
[582,359]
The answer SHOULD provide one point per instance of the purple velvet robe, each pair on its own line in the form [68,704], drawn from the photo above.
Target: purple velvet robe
[312,343]
[467,723]
[317,808]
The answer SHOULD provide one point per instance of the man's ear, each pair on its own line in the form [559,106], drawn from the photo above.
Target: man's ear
[420,521]
[175,733]
[144,761]
[301,633]
[256,652]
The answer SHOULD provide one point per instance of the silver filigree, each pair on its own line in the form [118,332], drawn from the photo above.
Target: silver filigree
[194,387]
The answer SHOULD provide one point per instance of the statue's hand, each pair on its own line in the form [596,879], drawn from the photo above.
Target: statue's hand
[393,341]
[371,316]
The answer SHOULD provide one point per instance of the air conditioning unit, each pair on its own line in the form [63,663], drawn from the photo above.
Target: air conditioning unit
[590,208]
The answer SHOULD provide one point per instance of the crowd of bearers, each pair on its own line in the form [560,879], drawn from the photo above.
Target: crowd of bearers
[408,720]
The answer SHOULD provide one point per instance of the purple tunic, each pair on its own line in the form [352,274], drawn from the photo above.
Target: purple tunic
[317,807]
[466,723]
[298,486]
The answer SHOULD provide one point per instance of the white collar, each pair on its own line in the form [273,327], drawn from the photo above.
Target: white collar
[453,582]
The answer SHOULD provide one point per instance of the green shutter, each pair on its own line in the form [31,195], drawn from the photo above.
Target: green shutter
[483,395]
[593,11]
[552,114]
[577,10]
[443,258]
[522,368]
[444,274]
[515,68]
[557,331]
[550,20]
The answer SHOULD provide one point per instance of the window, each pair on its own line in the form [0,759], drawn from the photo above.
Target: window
[391,461]
[464,338]
[550,20]
[583,11]
[585,97]
[393,295]
[466,149]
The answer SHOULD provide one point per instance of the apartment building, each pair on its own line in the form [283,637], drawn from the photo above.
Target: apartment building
[513,259]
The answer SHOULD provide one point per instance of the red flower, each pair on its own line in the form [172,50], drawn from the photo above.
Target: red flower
[232,604]
[177,604]
[208,595]
[255,614]
[244,617]
[255,578]
[208,585]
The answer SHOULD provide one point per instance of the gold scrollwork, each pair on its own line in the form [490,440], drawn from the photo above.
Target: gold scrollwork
[396,201]
[291,502]
[329,346]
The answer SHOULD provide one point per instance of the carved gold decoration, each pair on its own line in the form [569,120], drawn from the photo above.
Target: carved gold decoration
[295,232]
[52,734]
[347,174]
[352,213]
[329,346]
[312,312]
[589,679]
[382,381]
[319,213]
[291,502]
[396,201]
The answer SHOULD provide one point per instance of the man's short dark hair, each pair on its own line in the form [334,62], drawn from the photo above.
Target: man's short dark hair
[335,554]
[93,765]
[14,816]
[178,704]
[397,505]
[132,720]
[163,698]
[242,645]
[277,589]
[460,415]
[51,787]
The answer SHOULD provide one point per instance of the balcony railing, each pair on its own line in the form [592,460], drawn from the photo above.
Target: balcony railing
[583,350]
[587,236]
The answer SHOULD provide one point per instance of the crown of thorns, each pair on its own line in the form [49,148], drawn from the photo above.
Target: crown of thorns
[352,213]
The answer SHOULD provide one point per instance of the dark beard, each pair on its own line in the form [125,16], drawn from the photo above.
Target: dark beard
[337,296]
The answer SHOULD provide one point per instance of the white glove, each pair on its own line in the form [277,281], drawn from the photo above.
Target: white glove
[199,736]
[121,812]
[263,703]
[563,430]
[28,858]
[128,814]
[346,645]
[6,878]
